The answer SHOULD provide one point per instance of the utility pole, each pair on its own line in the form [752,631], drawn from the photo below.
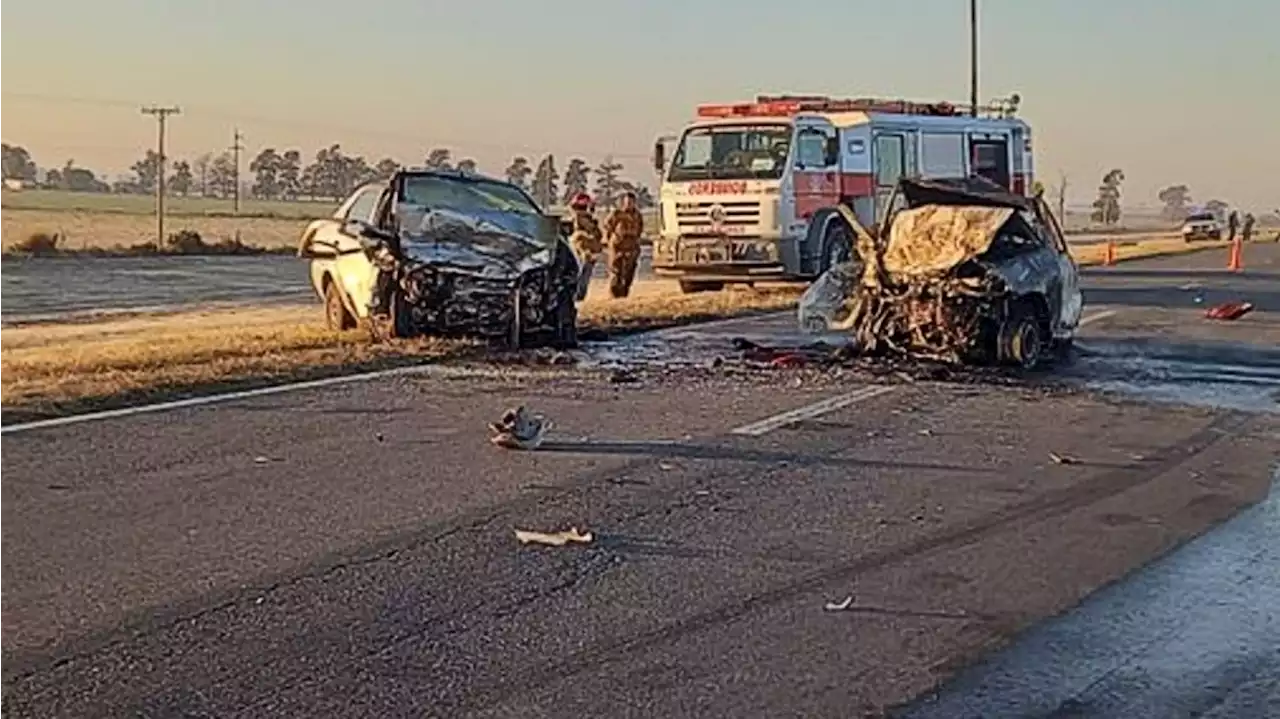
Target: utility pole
[161,114]
[973,56]
[235,148]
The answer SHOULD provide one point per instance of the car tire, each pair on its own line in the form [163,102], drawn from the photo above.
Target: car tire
[1020,342]
[565,335]
[395,325]
[690,287]
[336,315]
[837,246]
[515,332]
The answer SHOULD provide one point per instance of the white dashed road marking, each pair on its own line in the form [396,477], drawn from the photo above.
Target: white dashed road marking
[817,409]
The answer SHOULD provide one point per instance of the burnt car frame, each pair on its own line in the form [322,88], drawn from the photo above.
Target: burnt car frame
[960,270]
[445,253]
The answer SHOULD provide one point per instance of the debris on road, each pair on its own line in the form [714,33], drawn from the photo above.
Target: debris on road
[966,273]
[788,361]
[840,606]
[554,539]
[623,376]
[1062,459]
[519,429]
[261,460]
[1229,311]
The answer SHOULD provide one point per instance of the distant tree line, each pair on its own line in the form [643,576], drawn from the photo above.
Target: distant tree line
[331,175]
[1177,203]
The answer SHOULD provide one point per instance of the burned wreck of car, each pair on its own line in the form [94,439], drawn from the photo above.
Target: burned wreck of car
[449,254]
[959,271]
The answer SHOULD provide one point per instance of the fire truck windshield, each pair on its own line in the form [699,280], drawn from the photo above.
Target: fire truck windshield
[732,152]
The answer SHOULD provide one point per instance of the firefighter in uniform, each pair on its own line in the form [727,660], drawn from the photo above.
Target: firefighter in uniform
[623,228]
[585,239]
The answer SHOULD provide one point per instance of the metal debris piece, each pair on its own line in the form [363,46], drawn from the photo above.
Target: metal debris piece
[261,460]
[790,360]
[840,606]
[1062,458]
[519,429]
[623,376]
[554,539]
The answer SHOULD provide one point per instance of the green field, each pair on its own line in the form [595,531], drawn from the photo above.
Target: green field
[58,200]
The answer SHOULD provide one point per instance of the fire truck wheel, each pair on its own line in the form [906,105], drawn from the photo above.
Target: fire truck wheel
[837,246]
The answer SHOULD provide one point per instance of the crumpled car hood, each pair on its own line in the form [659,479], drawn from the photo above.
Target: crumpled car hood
[933,239]
[488,243]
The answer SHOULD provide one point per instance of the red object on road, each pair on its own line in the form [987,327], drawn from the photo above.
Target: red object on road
[1229,310]
[791,360]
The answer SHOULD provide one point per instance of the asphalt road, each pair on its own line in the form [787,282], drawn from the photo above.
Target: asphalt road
[38,289]
[350,551]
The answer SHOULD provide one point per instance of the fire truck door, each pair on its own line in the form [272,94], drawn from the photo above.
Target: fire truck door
[816,168]
[892,161]
[989,158]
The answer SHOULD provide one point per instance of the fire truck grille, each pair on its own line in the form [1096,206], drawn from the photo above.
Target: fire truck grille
[705,217]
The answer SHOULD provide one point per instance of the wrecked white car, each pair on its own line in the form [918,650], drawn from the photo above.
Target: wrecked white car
[445,253]
[961,270]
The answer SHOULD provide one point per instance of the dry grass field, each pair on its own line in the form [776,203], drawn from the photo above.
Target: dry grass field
[83,230]
[107,203]
[60,368]
[96,221]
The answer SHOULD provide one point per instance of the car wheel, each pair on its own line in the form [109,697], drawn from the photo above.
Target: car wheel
[393,325]
[1021,340]
[566,326]
[690,287]
[837,246]
[515,333]
[336,316]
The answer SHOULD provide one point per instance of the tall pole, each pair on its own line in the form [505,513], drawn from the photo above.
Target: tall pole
[973,56]
[235,148]
[161,114]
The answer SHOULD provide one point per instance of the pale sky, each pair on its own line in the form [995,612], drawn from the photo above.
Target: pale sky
[1171,91]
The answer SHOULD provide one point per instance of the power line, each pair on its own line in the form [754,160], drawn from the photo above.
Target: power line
[161,114]
[223,113]
[235,148]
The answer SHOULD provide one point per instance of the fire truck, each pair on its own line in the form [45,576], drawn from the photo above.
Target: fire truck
[750,192]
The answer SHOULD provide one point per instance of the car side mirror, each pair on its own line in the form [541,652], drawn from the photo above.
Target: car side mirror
[659,157]
[833,151]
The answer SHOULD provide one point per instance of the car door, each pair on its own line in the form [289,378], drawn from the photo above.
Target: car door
[1071,301]
[336,247]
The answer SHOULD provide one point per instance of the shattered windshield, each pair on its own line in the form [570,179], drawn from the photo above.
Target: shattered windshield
[732,152]
[465,195]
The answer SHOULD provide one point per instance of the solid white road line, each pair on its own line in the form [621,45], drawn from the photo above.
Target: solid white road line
[817,409]
[436,370]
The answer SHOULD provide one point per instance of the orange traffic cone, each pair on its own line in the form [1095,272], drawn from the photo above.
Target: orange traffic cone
[1110,258]
[1235,256]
